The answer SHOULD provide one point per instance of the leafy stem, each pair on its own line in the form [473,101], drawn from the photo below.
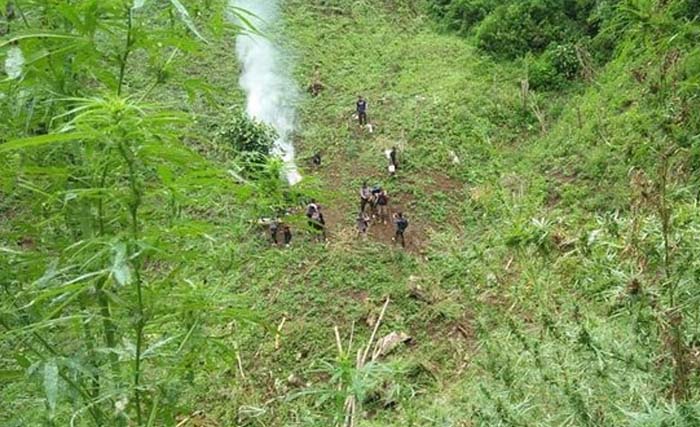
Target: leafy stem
[127,50]
[134,205]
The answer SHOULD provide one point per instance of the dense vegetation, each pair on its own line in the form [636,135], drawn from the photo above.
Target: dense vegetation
[564,38]
[549,161]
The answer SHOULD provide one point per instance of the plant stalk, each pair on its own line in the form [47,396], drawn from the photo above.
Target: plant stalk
[127,50]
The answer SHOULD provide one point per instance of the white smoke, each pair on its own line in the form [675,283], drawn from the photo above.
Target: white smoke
[271,91]
[14,63]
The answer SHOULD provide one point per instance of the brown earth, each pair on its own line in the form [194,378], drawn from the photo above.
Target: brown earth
[340,209]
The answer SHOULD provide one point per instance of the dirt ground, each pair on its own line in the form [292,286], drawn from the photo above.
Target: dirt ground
[340,211]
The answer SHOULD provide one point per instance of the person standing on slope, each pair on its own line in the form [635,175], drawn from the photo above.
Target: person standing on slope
[393,161]
[382,202]
[376,191]
[401,225]
[362,224]
[319,224]
[316,160]
[274,227]
[362,110]
[287,235]
[311,208]
[365,197]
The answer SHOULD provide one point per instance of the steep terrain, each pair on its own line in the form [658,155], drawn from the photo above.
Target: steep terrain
[525,287]
[551,268]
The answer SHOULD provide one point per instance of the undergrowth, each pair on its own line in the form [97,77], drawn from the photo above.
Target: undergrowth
[551,272]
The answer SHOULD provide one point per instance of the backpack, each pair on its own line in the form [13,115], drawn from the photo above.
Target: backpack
[402,224]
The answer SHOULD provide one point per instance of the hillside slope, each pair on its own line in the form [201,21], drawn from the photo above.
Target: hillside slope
[534,282]
[550,275]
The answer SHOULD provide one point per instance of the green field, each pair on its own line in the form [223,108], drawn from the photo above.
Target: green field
[550,274]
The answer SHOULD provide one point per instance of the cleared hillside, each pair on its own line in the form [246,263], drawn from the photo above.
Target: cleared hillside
[550,272]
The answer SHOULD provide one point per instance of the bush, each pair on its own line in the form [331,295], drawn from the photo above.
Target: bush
[512,28]
[555,67]
[245,136]
[530,26]
[463,15]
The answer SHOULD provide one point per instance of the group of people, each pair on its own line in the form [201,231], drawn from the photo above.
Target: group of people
[374,205]
[374,201]
[274,228]
[375,198]
[361,112]
[315,219]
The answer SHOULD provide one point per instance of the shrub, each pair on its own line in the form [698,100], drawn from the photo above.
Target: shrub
[555,67]
[463,15]
[245,136]
[530,26]
[512,28]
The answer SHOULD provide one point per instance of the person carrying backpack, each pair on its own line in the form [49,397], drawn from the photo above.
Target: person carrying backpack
[401,224]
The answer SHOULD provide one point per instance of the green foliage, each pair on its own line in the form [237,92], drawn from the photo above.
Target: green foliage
[530,26]
[101,310]
[461,15]
[552,70]
[552,264]
[547,30]
[245,136]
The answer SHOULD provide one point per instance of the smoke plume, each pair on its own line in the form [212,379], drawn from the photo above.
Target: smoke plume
[271,92]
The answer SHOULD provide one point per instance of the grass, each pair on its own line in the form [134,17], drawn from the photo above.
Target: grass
[515,287]
[505,337]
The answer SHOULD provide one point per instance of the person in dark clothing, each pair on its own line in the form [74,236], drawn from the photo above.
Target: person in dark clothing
[287,235]
[274,226]
[376,191]
[401,224]
[362,111]
[362,224]
[311,208]
[318,223]
[382,202]
[311,212]
[393,157]
[365,197]
[393,161]
[316,159]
